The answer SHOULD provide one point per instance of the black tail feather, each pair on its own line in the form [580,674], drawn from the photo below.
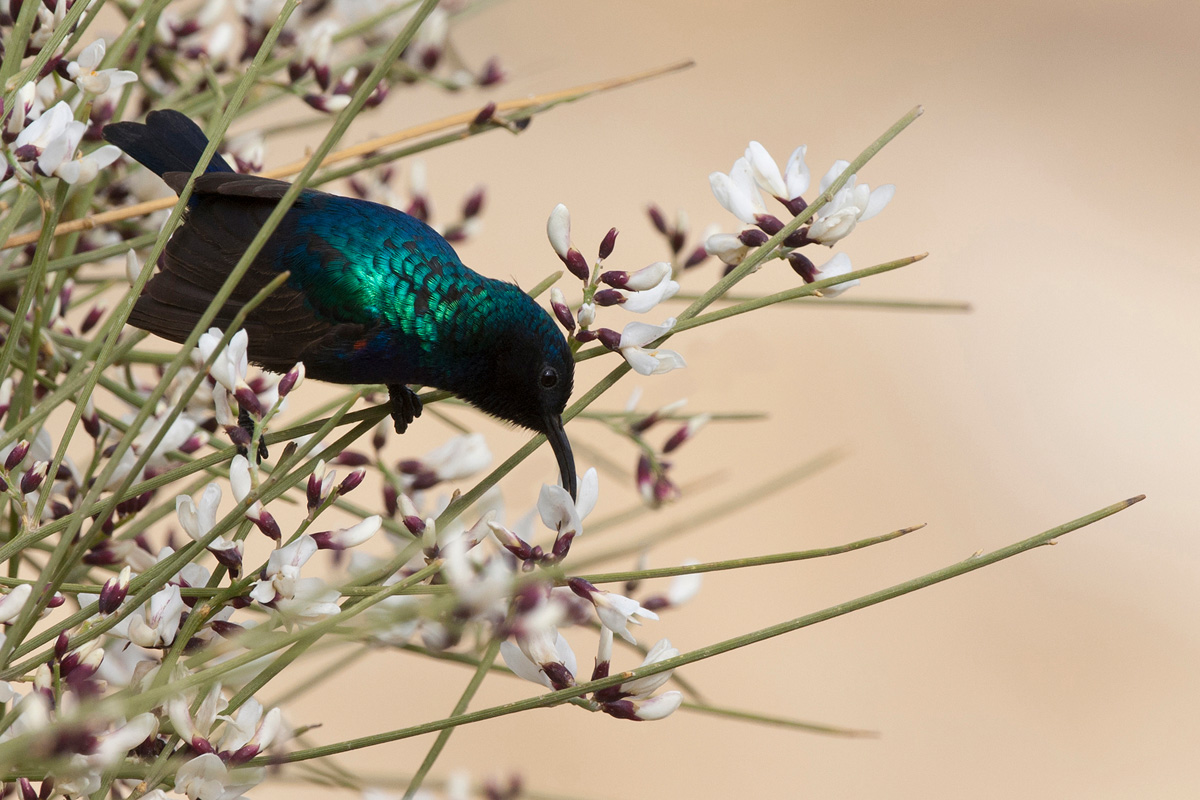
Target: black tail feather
[167,142]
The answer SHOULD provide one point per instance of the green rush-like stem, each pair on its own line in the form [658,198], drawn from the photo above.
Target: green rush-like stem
[565,695]
[951,306]
[749,561]
[439,744]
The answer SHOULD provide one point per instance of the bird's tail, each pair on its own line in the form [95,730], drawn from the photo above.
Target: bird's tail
[167,142]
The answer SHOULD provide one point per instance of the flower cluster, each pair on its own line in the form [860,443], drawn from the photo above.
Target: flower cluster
[740,193]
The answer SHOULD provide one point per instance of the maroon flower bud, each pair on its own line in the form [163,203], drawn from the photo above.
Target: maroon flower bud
[645,476]
[419,208]
[313,492]
[425,480]
[377,95]
[248,400]
[225,629]
[61,645]
[798,238]
[351,481]
[660,222]
[473,206]
[267,524]
[608,297]
[410,466]
[114,592]
[485,115]
[676,240]
[609,338]
[351,458]
[563,314]
[193,444]
[560,677]
[656,603]
[56,601]
[562,545]
[608,243]
[290,379]
[491,74]
[803,266]
[771,225]
[16,455]
[599,672]
[582,588]
[415,525]
[585,336]
[753,238]
[238,435]
[391,500]
[379,438]
[616,278]
[698,257]
[577,265]
[33,478]
[795,206]
[621,709]
[27,792]
[664,490]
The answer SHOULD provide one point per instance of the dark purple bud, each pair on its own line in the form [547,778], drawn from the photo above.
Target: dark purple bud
[419,208]
[577,265]
[562,545]
[600,671]
[564,315]
[202,745]
[660,222]
[391,500]
[47,789]
[616,278]
[676,240]
[61,645]
[56,601]
[91,424]
[410,466]
[27,792]
[665,490]
[485,115]
[609,338]
[243,755]
[193,444]
[698,257]
[677,438]
[492,74]
[656,603]
[425,480]
[64,297]
[585,336]
[771,225]
[473,206]
[608,297]
[238,435]
[753,238]
[298,69]
[351,481]
[114,592]
[379,438]
[248,400]
[798,238]
[415,525]
[33,478]
[608,243]
[313,492]
[430,57]
[621,709]
[645,476]
[377,95]
[225,629]
[16,455]
[560,677]
[803,266]
[94,316]
[267,524]
[351,458]
[794,206]
[323,76]
[229,557]
[582,588]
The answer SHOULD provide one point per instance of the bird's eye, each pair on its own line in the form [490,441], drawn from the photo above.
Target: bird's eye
[549,378]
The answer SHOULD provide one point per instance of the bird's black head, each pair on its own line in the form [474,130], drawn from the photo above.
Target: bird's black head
[530,372]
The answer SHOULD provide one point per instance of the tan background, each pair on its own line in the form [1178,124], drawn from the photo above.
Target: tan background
[1053,181]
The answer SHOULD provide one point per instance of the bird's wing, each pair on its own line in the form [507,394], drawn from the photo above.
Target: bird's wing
[344,283]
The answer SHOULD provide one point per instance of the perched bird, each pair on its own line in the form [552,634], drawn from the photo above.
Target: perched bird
[373,296]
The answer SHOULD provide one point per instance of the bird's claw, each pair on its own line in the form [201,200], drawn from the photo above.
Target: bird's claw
[406,406]
[246,423]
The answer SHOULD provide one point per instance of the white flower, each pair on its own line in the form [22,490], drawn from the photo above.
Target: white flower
[528,657]
[684,587]
[727,247]
[158,623]
[796,174]
[558,230]
[562,514]
[54,135]
[738,192]
[643,300]
[116,745]
[283,571]
[230,366]
[644,687]
[765,170]
[250,728]
[617,611]
[206,777]
[852,204]
[838,265]
[586,315]
[83,71]
[656,707]
[198,520]
[344,538]
[190,728]
[460,457]
[14,601]
[636,335]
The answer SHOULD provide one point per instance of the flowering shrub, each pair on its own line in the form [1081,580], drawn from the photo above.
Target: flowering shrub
[133,657]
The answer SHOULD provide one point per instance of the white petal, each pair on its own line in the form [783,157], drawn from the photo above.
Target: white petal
[521,665]
[239,477]
[880,197]
[834,172]
[557,509]
[796,174]
[640,334]
[558,230]
[766,171]
[589,492]
[658,707]
[649,277]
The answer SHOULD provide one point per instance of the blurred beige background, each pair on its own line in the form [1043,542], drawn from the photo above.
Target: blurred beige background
[1052,179]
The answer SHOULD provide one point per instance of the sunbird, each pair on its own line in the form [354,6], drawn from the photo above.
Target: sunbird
[373,294]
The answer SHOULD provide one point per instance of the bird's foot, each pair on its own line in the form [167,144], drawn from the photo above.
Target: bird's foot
[406,406]
[246,423]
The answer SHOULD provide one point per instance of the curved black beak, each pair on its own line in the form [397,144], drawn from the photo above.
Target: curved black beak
[562,451]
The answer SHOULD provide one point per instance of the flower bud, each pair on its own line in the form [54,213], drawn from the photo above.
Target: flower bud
[771,225]
[608,297]
[608,243]
[293,378]
[92,319]
[586,315]
[752,237]
[803,266]
[16,455]
[577,265]
[267,525]
[562,311]
[609,338]
[474,204]
[656,217]
[114,592]
[485,115]
[32,479]
[351,481]
[248,400]
[558,231]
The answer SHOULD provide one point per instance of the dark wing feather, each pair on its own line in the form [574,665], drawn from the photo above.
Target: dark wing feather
[225,216]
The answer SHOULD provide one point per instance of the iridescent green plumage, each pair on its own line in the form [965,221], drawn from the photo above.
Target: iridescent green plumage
[373,295]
